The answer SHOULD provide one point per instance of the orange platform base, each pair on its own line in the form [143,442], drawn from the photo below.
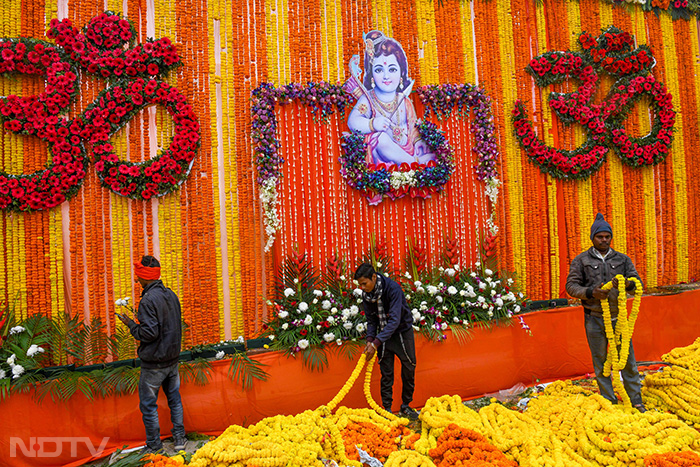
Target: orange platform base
[493,359]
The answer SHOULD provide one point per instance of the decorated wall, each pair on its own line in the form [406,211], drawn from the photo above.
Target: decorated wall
[251,167]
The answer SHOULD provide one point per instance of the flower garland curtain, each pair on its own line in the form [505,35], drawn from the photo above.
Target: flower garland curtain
[210,234]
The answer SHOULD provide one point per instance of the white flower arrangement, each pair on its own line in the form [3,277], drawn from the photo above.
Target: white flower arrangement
[220,354]
[288,292]
[303,344]
[16,330]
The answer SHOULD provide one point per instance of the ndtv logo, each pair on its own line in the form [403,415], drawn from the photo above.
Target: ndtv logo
[52,446]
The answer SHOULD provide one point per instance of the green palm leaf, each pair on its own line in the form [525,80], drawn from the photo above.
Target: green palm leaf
[246,370]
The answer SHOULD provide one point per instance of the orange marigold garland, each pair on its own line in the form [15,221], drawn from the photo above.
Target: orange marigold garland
[672,459]
[463,447]
[368,436]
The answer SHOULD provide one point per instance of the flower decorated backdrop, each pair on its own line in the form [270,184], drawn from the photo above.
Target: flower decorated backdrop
[210,232]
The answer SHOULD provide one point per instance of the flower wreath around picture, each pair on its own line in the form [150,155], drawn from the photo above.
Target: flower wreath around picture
[611,52]
[100,50]
[324,99]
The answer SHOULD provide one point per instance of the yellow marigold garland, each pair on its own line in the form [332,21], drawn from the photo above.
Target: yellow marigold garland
[676,388]
[622,334]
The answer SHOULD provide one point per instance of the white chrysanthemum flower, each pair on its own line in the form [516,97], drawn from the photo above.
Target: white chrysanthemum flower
[493,292]
[334,310]
[432,290]
[2,374]
[439,299]
[484,306]
[11,359]
[240,340]
[457,267]
[33,350]
[303,306]
[318,327]
[415,328]
[329,337]
[296,281]
[314,301]
[271,337]
[288,292]
[220,354]
[477,264]
[331,320]
[16,330]
[308,320]
[347,325]
[455,319]
[326,305]
[517,308]
[379,264]
[418,283]
[420,290]
[361,327]
[480,299]
[465,322]
[17,370]
[499,302]
[488,272]
[452,290]
[283,314]
[285,326]
[450,272]
[303,343]
[342,277]
[510,281]
[357,292]
[490,313]
[318,293]
[339,341]
[473,274]
[443,326]
[354,310]
[119,302]
[408,296]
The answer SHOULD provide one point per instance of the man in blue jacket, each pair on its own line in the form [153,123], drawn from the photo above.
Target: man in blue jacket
[159,331]
[389,332]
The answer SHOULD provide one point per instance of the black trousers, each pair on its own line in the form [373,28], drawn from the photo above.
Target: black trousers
[403,346]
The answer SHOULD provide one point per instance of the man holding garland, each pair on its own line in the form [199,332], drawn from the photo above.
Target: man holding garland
[389,332]
[589,271]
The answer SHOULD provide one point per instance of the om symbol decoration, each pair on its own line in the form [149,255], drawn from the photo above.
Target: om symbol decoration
[611,53]
[134,75]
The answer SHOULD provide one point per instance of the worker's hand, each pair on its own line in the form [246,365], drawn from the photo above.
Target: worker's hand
[124,319]
[370,348]
[615,283]
[601,294]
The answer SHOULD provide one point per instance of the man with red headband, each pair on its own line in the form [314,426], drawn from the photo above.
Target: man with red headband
[159,331]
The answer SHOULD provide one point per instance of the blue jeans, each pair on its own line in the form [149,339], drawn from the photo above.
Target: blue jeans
[149,384]
[598,343]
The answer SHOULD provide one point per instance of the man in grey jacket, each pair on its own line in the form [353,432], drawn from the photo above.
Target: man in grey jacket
[589,271]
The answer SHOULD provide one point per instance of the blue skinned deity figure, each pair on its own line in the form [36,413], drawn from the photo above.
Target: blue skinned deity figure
[384,112]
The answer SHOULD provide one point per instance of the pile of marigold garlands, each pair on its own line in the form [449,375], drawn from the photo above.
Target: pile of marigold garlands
[563,426]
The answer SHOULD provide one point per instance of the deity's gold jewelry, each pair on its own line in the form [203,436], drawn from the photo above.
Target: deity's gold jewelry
[401,82]
[387,108]
[372,83]
[371,125]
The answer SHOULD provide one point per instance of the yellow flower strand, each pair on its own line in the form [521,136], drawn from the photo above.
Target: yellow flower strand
[622,334]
